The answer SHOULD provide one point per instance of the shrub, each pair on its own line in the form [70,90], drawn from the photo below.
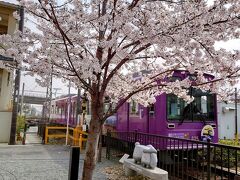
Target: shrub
[20,123]
[224,155]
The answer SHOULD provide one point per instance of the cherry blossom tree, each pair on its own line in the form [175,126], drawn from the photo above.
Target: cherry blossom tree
[100,44]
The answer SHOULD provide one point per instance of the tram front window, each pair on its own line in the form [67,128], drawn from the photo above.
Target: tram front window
[205,105]
[201,109]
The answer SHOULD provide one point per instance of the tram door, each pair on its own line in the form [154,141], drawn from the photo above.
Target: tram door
[146,119]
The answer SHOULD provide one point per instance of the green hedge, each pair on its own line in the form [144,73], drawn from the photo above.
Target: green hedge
[224,157]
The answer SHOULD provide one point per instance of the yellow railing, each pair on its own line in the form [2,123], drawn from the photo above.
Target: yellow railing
[77,136]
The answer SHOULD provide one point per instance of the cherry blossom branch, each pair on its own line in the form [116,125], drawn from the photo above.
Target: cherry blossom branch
[133,4]
[168,1]
[66,47]
[221,79]
[123,100]
[55,21]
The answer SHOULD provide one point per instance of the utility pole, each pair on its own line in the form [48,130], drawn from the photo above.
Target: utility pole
[12,139]
[68,115]
[23,85]
[47,106]
[50,95]
[78,106]
[84,110]
[236,123]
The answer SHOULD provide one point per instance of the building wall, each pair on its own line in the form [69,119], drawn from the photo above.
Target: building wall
[5,90]
[226,120]
[5,124]
[8,24]
[7,18]
[12,24]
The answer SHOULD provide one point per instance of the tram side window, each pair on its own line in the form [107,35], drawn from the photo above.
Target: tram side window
[57,109]
[175,107]
[52,109]
[134,108]
[73,110]
[65,110]
[62,111]
[151,110]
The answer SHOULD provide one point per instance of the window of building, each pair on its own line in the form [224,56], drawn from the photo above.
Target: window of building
[3,29]
[8,78]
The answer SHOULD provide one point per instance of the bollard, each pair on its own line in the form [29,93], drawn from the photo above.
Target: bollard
[43,133]
[46,135]
[80,141]
[74,163]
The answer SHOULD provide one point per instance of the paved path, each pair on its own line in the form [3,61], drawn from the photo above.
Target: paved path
[40,162]
[32,137]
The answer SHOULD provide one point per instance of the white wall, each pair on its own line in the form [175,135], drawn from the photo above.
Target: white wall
[5,107]
[6,91]
[5,123]
[12,24]
[226,120]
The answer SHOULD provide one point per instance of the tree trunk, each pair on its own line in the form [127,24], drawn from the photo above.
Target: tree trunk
[93,138]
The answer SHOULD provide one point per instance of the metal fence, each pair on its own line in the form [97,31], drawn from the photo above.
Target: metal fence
[182,158]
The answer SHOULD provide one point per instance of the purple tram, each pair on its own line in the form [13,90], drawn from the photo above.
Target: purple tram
[59,113]
[173,117]
[59,110]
